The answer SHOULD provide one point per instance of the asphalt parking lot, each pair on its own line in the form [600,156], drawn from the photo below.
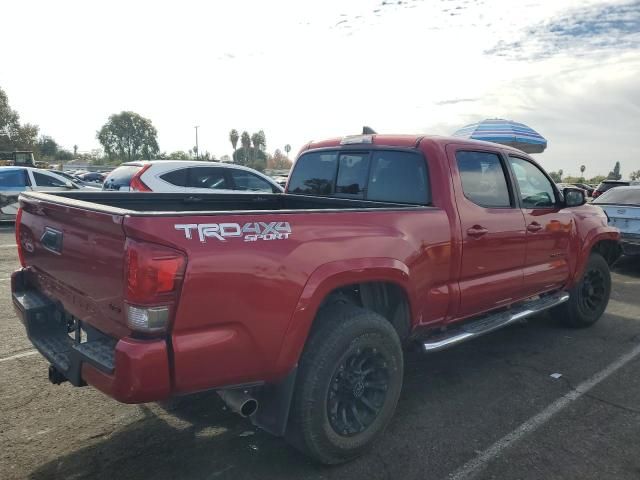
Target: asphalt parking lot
[489,409]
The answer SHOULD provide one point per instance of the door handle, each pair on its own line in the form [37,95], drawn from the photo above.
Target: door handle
[477,231]
[534,227]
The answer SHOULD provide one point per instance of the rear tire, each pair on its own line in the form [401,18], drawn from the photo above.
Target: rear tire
[589,297]
[348,384]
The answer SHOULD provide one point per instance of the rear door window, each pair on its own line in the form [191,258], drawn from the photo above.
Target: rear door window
[399,177]
[121,177]
[211,178]
[484,181]
[13,178]
[314,174]
[247,181]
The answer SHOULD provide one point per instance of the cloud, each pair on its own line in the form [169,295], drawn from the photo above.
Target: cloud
[595,30]
[454,101]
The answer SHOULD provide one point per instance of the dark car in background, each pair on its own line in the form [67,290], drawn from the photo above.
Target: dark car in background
[587,188]
[94,177]
[608,185]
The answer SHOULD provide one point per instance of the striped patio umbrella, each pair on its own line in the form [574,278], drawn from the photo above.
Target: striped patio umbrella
[506,132]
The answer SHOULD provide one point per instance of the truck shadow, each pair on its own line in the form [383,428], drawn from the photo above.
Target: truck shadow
[451,401]
[628,266]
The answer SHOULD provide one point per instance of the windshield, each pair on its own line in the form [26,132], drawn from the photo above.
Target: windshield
[620,196]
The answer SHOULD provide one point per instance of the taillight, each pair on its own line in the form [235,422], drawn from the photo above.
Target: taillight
[153,277]
[137,185]
[18,240]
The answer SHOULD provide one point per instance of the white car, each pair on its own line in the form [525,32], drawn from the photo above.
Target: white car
[15,180]
[188,177]
[622,205]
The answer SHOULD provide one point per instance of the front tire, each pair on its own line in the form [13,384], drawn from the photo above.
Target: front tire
[348,384]
[589,297]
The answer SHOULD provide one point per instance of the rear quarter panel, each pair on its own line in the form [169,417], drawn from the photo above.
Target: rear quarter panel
[244,311]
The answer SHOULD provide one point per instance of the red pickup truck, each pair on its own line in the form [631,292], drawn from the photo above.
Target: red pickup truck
[296,307]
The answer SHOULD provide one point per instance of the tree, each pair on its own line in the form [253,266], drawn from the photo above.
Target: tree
[64,155]
[287,149]
[556,176]
[129,136]
[26,137]
[278,161]
[582,169]
[243,155]
[75,150]
[635,175]
[233,138]
[615,173]
[9,122]
[47,147]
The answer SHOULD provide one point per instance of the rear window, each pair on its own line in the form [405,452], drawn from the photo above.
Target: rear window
[380,175]
[176,177]
[604,186]
[120,177]
[620,196]
[12,178]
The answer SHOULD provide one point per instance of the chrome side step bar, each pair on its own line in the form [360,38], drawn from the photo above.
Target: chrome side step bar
[491,322]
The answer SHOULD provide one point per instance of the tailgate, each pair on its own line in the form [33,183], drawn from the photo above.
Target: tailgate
[75,256]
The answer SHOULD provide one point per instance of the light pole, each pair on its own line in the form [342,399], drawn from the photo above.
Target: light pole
[197,149]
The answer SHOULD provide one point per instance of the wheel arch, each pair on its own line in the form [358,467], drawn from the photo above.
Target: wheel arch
[335,280]
[606,244]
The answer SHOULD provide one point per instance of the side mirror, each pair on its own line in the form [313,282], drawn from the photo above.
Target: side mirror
[574,197]
[70,184]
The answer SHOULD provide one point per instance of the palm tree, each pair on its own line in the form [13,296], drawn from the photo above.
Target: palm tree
[245,141]
[287,149]
[75,150]
[233,138]
[257,141]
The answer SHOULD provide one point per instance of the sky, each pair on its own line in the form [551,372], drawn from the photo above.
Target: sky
[306,70]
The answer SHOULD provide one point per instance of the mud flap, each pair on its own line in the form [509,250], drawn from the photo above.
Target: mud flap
[274,402]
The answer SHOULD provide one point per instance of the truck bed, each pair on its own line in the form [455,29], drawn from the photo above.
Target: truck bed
[138,203]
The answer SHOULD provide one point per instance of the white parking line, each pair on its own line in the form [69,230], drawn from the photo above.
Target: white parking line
[28,353]
[9,245]
[472,468]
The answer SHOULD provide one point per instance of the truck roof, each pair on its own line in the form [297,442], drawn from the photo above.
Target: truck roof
[406,141]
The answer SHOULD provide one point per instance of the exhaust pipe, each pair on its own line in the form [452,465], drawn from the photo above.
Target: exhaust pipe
[56,376]
[239,402]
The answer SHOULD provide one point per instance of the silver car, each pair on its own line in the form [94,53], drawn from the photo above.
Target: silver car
[15,180]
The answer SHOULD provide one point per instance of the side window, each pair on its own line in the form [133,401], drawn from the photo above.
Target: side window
[314,174]
[44,180]
[13,178]
[536,190]
[353,170]
[207,177]
[483,179]
[399,177]
[248,181]
[176,177]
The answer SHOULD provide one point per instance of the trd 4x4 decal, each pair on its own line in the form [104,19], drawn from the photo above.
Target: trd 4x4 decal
[251,232]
